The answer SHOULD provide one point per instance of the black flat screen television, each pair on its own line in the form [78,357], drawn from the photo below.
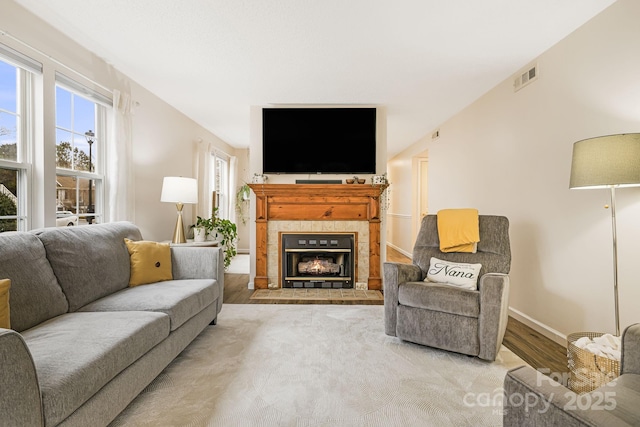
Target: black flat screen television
[319,140]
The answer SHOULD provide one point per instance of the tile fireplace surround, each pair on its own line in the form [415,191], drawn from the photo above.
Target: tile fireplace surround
[317,208]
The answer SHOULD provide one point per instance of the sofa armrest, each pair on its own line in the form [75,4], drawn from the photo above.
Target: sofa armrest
[534,399]
[395,273]
[492,322]
[630,361]
[192,262]
[20,400]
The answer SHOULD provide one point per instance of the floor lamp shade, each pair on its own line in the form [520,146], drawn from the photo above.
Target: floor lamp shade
[179,190]
[612,162]
[606,160]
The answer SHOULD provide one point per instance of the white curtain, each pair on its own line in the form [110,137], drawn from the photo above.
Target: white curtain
[120,188]
[204,151]
[233,182]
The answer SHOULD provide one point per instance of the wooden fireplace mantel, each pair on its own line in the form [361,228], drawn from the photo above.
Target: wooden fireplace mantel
[317,202]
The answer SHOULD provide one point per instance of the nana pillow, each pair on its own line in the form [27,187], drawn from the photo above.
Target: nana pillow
[150,262]
[5,320]
[457,274]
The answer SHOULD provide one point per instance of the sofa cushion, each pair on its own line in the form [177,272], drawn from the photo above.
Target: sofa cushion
[5,319]
[150,262]
[76,354]
[35,293]
[439,297]
[625,392]
[180,299]
[89,261]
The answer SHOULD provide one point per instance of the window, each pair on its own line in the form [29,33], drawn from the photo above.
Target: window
[9,115]
[79,148]
[79,131]
[220,185]
[15,108]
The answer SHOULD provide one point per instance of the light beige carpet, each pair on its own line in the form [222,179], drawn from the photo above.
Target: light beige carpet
[318,294]
[318,365]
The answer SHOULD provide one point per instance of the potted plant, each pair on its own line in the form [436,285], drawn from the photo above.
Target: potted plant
[385,189]
[242,201]
[202,229]
[221,230]
[227,236]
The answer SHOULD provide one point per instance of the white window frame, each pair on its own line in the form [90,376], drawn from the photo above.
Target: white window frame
[27,69]
[23,189]
[219,182]
[98,176]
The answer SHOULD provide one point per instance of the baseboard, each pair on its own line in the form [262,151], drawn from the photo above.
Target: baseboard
[242,251]
[402,251]
[539,327]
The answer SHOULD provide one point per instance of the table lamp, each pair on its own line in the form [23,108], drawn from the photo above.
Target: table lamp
[608,162]
[179,190]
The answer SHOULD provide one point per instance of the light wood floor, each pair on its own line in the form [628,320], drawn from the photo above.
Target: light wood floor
[534,348]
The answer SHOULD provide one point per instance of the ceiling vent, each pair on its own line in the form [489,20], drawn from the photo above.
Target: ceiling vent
[525,77]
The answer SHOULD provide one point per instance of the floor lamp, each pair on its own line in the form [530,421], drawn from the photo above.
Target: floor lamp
[612,162]
[179,190]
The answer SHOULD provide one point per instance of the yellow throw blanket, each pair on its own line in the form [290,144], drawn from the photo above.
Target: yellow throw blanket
[458,230]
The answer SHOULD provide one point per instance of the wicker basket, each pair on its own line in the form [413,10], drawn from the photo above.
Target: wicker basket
[588,371]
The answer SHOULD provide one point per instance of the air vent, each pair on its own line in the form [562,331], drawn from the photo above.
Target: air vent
[525,77]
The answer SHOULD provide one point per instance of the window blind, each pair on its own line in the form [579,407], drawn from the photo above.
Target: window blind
[74,86]
[20,60]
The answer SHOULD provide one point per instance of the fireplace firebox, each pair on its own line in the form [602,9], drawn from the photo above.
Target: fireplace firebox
[318,260]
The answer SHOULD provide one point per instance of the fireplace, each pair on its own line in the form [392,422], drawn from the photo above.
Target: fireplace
[331,208]
[318,260]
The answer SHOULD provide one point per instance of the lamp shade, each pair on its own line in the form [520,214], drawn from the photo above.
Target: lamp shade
[606,161]
[178,189]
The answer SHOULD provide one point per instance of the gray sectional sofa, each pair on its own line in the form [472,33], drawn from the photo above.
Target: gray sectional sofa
[84,344]
[532,399]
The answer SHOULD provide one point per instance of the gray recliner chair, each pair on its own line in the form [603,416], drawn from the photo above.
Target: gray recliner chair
[465,321]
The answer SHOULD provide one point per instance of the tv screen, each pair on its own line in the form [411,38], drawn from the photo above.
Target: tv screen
[319,140]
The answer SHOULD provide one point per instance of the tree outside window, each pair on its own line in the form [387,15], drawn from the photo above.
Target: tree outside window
[11,87]
[78,186]
[8,200]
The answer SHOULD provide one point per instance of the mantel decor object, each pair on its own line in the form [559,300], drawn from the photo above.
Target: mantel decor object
[259,178]
[379,179]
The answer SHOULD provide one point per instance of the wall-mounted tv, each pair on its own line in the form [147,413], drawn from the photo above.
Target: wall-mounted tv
[319,140]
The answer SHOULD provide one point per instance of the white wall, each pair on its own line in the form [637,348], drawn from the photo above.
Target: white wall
[163,138]
[403,196]
[244,177]
[510,154]
[164,145]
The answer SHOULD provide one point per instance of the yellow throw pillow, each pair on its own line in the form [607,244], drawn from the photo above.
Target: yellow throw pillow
[5,319]
[150,262]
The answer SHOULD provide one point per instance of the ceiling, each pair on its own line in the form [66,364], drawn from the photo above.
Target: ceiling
[424,60]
